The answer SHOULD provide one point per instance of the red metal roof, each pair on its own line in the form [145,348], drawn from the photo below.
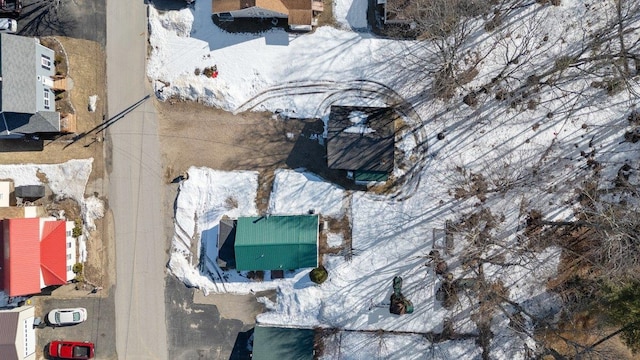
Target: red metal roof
[22,256]
[53,253]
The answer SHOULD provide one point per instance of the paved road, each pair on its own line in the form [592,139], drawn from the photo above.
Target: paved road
[135,190]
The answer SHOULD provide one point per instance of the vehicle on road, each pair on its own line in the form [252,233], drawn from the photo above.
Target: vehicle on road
[8,25]
[64,317]
[64,349]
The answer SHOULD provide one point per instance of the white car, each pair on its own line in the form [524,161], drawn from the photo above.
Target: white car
[8,25]
[62,317]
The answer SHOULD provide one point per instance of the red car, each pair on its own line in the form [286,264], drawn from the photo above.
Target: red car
[62,349]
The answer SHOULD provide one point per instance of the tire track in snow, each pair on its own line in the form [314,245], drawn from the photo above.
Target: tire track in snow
[360,88]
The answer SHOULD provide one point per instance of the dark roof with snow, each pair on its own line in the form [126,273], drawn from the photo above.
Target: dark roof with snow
[361,138]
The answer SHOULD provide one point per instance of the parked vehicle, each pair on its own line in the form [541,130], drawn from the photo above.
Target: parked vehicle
[11,8]
[64,349]
[63,317]
[8,25]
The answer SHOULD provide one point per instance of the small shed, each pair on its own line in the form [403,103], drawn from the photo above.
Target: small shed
[277,242]
[361,140]
[30,192]
[276,343]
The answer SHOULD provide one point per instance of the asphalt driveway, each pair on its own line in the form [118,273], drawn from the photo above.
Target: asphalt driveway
[81,19]
[206,331]
[98,329]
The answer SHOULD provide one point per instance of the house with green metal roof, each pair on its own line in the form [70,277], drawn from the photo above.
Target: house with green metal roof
[275,343]
[276,242]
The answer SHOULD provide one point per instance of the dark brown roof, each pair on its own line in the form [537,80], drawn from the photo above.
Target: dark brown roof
[286,7]
[231,5]
[300,17]
[8,332]
[297,4]
[367,146]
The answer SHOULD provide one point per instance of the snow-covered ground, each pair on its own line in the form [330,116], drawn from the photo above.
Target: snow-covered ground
[366,346]
[297,192]
[335,61]
[66,180]
[526,149]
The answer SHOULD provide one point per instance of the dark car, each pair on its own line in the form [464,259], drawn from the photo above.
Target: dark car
[64,349]
[10,8]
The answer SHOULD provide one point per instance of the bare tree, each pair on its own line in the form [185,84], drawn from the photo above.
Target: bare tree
[605,233]
[610,52]
[443,26]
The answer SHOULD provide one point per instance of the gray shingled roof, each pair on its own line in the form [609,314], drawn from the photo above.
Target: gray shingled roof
[41,122]
[367,146]
[226,238]
[22,86]
[30,191]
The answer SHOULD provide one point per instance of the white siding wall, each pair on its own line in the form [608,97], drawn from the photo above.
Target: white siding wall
[71,251]
[30,212]
[5,191]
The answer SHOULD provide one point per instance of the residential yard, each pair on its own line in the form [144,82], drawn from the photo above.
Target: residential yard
[193,134]
[85,65]
[519,148]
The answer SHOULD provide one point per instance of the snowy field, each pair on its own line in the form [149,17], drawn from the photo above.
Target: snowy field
[366,346]
[524,150]
[186,40]
[66,180]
